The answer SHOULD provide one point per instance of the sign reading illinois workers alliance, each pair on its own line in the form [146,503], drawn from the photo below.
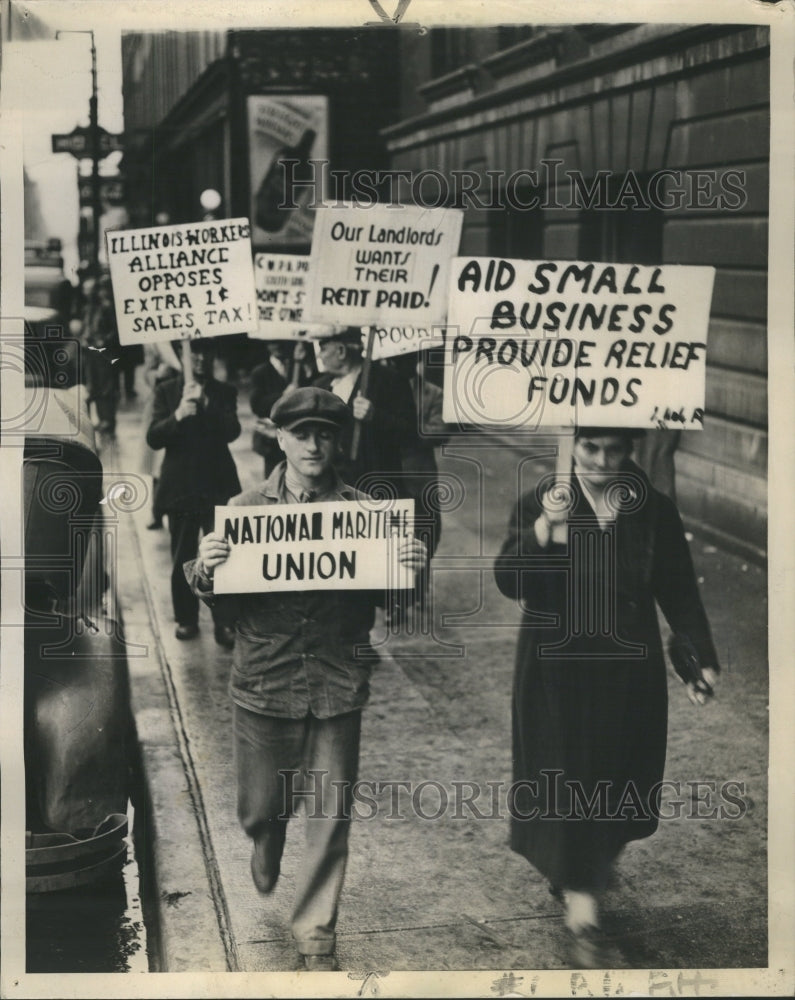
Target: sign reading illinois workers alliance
[350,545]
[555,343]
[180,281]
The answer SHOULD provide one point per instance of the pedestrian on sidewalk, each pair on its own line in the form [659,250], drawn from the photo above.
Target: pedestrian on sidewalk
[194,419]
[100,340]
[300,679]
[160,363]
[590,695]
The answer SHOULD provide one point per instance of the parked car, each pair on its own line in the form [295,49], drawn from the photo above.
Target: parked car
[52,354]
[78,731]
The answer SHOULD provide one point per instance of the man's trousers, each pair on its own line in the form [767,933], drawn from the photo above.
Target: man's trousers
[184,529]
[281,762]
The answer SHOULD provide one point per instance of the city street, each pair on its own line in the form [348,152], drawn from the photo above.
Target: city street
[431,881]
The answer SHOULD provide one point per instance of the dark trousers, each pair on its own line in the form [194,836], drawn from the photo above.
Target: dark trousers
[185,528]
[102,391]
[279,763]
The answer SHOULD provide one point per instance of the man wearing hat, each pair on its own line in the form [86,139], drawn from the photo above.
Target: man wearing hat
[300,679]
[387,414]
[194,419]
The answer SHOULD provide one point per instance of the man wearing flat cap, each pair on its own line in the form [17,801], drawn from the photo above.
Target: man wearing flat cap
[300,679]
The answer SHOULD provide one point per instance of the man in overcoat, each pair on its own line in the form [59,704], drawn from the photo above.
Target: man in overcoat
[386,413]
[194,419]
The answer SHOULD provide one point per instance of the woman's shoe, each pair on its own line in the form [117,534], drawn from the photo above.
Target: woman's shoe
[590,948]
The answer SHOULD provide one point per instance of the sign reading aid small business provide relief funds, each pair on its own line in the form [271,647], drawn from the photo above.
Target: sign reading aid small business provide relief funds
[553,343]
[351,545]
[175,282]
[382,265]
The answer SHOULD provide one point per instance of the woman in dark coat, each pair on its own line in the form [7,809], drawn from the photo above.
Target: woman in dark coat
[590,694]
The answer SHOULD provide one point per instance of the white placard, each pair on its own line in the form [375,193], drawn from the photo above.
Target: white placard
[282,280]
[392,341]
[556,343]
[189,280]
[382,265]
[349,545]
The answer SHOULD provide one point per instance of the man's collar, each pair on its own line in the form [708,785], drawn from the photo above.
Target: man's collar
[273,488]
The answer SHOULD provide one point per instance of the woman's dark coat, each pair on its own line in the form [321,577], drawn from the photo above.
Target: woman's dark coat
[590,694]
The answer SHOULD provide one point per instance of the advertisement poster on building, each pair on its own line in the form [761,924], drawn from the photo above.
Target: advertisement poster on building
[287,149]
[559,764]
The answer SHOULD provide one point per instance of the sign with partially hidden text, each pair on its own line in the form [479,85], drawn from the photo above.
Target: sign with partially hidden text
[392,341]
[555,343]
[174,282]
[382,265]
[281,281]
[350,545]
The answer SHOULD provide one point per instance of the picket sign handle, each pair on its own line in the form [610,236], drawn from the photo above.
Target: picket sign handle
[363,387]
[560,532]
[186,360]
[298,357]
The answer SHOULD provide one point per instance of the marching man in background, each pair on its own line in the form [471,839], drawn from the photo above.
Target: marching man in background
[300,679]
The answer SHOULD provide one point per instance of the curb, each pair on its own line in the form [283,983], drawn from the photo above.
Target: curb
[190,909]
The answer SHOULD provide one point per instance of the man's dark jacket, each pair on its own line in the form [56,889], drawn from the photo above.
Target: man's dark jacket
[198,469]
[393,426]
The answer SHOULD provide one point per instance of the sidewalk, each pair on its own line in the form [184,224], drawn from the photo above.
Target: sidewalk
[440,893]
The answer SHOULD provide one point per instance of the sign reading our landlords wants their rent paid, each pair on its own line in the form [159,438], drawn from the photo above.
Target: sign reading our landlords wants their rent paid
[554,343]
[281,282]
[351,545]
[191,280]
[382,265]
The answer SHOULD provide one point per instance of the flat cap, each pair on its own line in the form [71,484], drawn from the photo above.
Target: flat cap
[310,405]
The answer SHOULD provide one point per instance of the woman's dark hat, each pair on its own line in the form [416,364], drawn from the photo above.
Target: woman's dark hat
[310,406]
[628,433]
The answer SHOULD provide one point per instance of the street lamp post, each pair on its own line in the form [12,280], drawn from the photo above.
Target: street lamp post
[93,127]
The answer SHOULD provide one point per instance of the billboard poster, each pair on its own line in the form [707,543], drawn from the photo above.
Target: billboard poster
[287,142]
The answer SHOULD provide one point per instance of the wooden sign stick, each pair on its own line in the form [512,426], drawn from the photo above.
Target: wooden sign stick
[363,387]
[186,366]
[560,532]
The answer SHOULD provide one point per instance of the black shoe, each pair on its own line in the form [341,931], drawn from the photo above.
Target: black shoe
[155,524]
[263,880]
[186,631]
[224,636]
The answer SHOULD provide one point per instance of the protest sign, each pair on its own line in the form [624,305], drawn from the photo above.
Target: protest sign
[351,545]
[382,265]
[391,341]
[281,280]
[554,343]
[190,280]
